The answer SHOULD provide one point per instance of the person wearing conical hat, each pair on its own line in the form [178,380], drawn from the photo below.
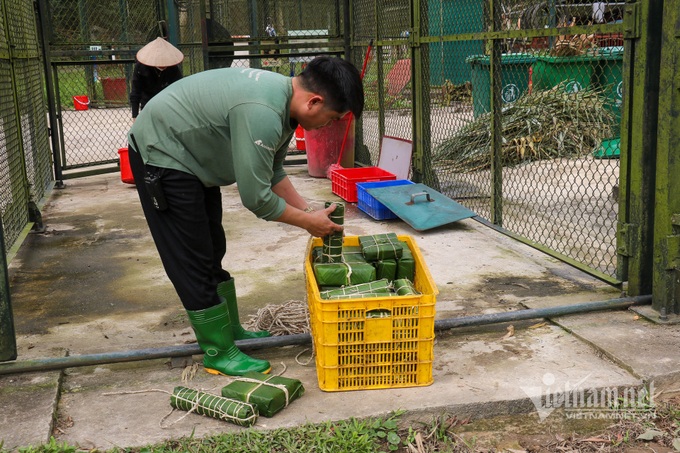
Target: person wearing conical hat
[157,66]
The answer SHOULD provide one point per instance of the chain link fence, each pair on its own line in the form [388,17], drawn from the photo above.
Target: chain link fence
[543,164]
[25,158]
[93,46]
[515,104]
[387,80]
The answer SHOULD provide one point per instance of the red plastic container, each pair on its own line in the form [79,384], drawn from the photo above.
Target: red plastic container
[125,170]
[115,89]
[323,147]
[300,138]
[81,102]
[344,180]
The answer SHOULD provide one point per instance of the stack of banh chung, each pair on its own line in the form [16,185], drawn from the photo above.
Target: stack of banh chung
[382,265]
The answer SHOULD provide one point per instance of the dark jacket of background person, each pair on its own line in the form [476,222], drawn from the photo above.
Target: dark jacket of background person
[148,81]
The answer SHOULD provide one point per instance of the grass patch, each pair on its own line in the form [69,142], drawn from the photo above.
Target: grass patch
[657,429]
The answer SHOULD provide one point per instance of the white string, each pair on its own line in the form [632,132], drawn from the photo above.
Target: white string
[195,405]
[261,383]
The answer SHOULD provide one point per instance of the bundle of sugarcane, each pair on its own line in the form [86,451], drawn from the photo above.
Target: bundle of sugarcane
[541,125]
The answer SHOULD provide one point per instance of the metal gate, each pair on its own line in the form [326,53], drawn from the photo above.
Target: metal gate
[514,107]
[666,259]
[91,49]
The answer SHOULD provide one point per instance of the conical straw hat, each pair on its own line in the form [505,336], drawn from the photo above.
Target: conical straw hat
[160,53]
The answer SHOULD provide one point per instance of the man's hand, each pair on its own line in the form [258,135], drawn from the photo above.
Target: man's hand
[316,223]
[320,225]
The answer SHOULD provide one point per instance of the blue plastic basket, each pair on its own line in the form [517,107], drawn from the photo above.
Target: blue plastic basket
[371,206]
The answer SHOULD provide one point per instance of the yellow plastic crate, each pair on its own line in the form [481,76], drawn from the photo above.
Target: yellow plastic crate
[377,342]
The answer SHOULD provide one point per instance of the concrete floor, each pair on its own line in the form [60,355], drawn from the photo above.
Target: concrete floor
[93,283]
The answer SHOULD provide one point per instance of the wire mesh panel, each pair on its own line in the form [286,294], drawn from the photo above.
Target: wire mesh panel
[387,80]
[94,43]
[29,83]
[92,48]
[111,24]
[37,159]
[95,114]
[13,195]
[280,36]
[274,35]
[549,171]
[560,99]
[396,66]
[450,79]
[25,158]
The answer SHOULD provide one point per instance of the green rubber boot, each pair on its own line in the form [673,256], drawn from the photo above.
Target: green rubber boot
[221,356]
[227,290]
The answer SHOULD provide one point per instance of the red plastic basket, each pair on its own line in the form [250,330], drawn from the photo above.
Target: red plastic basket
[344,180]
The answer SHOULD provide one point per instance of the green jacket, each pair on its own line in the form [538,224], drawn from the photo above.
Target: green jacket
[224,126]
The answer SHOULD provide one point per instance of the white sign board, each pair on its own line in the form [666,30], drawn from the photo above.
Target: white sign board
[395,156]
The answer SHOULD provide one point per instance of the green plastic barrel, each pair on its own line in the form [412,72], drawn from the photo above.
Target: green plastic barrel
[573,73]
[514,79]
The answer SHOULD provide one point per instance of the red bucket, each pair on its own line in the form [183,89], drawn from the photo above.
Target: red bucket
[300,138]
[324,147]
[81,102]
[125,170]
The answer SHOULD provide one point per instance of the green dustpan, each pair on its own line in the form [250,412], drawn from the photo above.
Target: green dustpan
[420,206]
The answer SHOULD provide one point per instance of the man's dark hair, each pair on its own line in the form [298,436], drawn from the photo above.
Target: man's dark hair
[338,81]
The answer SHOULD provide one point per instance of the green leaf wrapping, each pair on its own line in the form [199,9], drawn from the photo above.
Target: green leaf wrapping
[214,406]
[380,287]
[381,247]
[270,394]
[343,274]
[386,269]
[404,287]
[332,244]
[381,293]
[406,265]
[352,254]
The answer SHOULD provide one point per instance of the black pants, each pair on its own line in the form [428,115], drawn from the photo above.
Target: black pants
[188,235]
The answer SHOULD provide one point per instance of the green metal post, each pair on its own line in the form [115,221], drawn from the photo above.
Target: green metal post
[638,145]
[346,28]
[204,34]
[666,282]
[255,31]
[124,23]
[43,14]
[173,23]
[420,81]
[361,152]
[8,344]
[496,119]
[552,13]
[123,8]
[382,102]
